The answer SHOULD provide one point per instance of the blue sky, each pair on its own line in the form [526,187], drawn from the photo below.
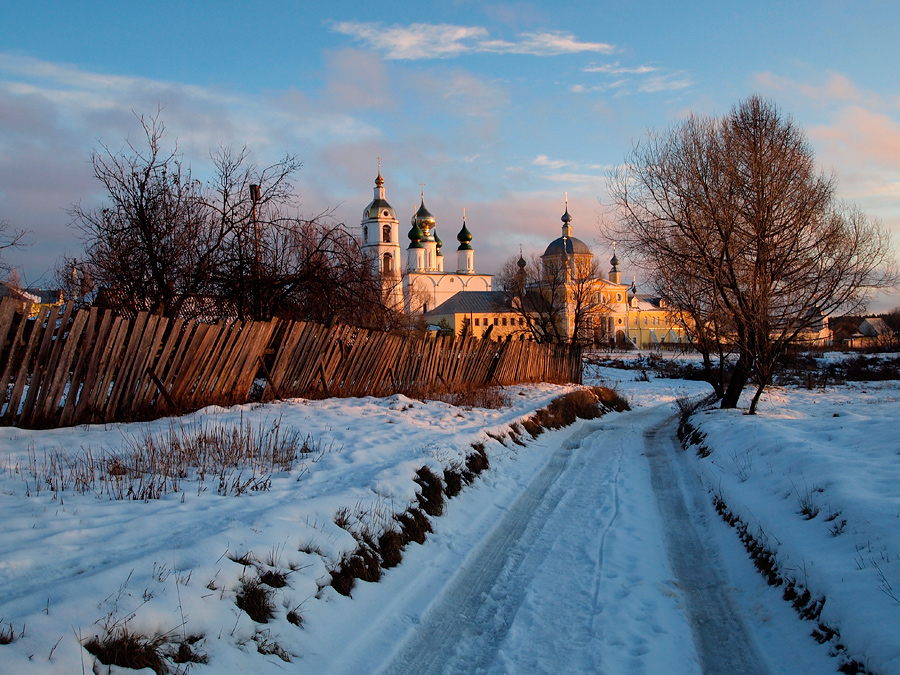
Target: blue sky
[500,108]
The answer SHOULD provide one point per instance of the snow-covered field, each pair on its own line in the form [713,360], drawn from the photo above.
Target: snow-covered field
[557,559]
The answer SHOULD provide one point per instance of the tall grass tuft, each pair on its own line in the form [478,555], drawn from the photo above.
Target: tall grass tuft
[233,460]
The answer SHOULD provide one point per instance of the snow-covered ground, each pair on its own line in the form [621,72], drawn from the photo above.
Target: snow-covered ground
[594,548]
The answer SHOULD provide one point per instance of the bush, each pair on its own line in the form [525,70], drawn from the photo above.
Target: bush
[256,600]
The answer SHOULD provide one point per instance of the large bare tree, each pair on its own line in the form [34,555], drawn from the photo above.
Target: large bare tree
[741,230]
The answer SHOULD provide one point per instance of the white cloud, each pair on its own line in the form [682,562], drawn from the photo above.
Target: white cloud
[543,160]
[436,41]
[616,69]
[629,80]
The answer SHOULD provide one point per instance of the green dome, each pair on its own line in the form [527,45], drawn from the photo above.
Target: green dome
[437,241]
[464,238]
[415,235]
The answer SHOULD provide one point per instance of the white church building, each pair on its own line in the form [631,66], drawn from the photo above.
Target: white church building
[424,283]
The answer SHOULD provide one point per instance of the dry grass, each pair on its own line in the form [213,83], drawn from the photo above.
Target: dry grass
[233,459]
[431,498]
[256,600]
[493,398]
[127,650]
[7,635]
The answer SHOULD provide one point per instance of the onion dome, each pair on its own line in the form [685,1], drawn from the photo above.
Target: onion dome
[424,220]
[633,288]
[379,208]
[415,235]
[464,237]
[520,263]
[614,261]
[437,241]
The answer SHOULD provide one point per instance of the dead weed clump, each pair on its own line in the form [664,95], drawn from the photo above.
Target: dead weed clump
[431,498]
[390,548]
[414,525]
[363,564]
[7,635]
[127,650]
[476,462]
[453,481]
[256,600]
[587,404]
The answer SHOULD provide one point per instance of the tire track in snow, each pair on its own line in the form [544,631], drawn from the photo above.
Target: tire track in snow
[464,629]
[720,637]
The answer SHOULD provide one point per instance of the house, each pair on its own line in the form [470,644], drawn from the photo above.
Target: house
[873,332]
[480,313]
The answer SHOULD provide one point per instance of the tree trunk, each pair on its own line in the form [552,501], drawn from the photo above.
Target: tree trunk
[739,378]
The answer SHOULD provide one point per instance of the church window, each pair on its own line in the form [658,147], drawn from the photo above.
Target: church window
[645,320]
[386,234]
[504,320]
[496,321]
[366,233]
[387,264]
[477,322]
[618,297]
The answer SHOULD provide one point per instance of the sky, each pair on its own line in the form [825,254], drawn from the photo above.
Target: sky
[498,108]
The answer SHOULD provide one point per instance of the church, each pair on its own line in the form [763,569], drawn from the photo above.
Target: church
[425,283]
[465,301]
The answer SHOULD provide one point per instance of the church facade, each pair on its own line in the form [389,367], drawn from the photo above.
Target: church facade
[424,283]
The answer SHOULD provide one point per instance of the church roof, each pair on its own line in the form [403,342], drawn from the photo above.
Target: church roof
[379,208]
[473,302]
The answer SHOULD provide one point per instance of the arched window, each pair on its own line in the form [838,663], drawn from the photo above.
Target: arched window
[365,234]
[387,264]
[386,234]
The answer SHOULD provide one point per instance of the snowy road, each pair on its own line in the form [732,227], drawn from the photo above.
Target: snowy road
[575,574]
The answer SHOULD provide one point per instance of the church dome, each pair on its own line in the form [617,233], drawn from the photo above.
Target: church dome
[464,238]
[567,246]
[379,208]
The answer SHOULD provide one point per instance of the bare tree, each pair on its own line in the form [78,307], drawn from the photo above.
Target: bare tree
[163,240]
[9,239]
[756,246]
[559,305]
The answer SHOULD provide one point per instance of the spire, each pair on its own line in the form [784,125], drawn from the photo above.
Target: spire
[566,220]
[379,181]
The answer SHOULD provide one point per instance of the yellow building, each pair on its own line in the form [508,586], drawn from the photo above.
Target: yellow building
[571,296]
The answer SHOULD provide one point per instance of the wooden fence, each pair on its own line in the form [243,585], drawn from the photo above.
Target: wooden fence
[64,368]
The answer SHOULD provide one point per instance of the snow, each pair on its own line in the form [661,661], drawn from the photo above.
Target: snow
[573,553]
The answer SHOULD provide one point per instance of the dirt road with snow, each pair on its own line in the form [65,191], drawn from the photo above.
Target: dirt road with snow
[580,572]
